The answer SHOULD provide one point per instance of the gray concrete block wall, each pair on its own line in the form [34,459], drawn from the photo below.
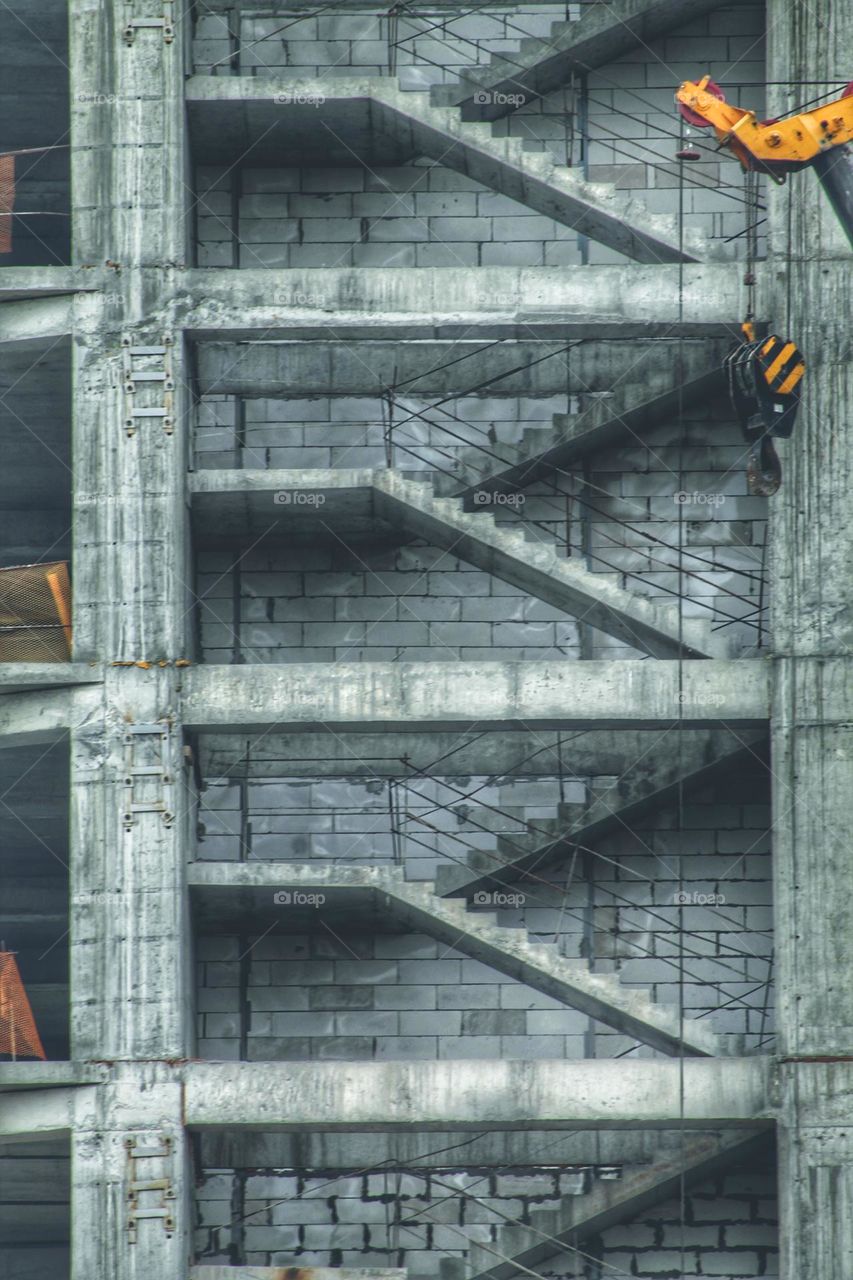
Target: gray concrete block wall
[349,431]
[730,1231]
[635,130]
[431,48]
[625,131]
[348,820]
[415,215]
[354,994]
[350,995]
[336,602]
[668,518]
[405,1217]
[401,1217]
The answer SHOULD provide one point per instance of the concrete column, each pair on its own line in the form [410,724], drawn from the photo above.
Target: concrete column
[809,278]
[129,816]
[128,1136]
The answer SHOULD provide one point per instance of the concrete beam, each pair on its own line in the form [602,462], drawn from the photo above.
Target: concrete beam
[427,696]
[435,304]
[606,752]
[18,677]
[43,282]
[35,717]
[401,1147]
[43,1113]
[30,1076]
[278,369]
[36,321]
[465,1095]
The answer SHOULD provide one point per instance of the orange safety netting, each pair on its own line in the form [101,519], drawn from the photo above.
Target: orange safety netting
[35,613]
[18,1035]
[7,201]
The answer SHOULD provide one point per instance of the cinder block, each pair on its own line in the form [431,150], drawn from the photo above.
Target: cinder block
[447,255]
[466,1047]
[493,1022]
[383,255]
[403,1048]
[370,971]
[478,996]
[508,254]
[409,998]
[445,1022]
[366,1024]
[300,1213]
[720,1210]
[727,1263]
[338,998]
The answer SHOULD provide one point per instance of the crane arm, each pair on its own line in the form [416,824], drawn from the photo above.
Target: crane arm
[779,146]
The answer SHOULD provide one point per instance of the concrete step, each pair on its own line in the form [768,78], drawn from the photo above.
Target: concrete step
[540,570]
[605,421]
[541,65]
[685,766]
[532,178]
[510,951]
[607,1203]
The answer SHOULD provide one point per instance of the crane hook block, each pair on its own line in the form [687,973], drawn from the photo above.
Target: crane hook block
[764,379]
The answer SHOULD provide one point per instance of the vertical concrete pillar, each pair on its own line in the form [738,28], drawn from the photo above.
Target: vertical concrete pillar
[809,277]
[130,1184]
[129,813]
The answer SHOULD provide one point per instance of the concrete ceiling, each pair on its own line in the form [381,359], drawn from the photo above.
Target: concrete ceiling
[263,133]
[34,112]
[599,752]
[222,520]
[422,368]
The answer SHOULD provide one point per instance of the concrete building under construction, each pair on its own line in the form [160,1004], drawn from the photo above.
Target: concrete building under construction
[426,739]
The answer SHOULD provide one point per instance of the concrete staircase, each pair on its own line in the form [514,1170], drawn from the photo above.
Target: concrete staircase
[656,782]
[478,935]
[540,965]
[414,126]
[606,421]
[604,32]
[533,178]
[607,1203]
[537,567]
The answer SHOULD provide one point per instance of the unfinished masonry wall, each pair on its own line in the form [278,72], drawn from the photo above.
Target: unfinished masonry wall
[385,602]
[348,992]
[619,127]
[424,1221]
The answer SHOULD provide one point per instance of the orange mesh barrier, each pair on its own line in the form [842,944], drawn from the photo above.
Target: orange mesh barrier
[35,613]
[18,1035]
[7,201]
